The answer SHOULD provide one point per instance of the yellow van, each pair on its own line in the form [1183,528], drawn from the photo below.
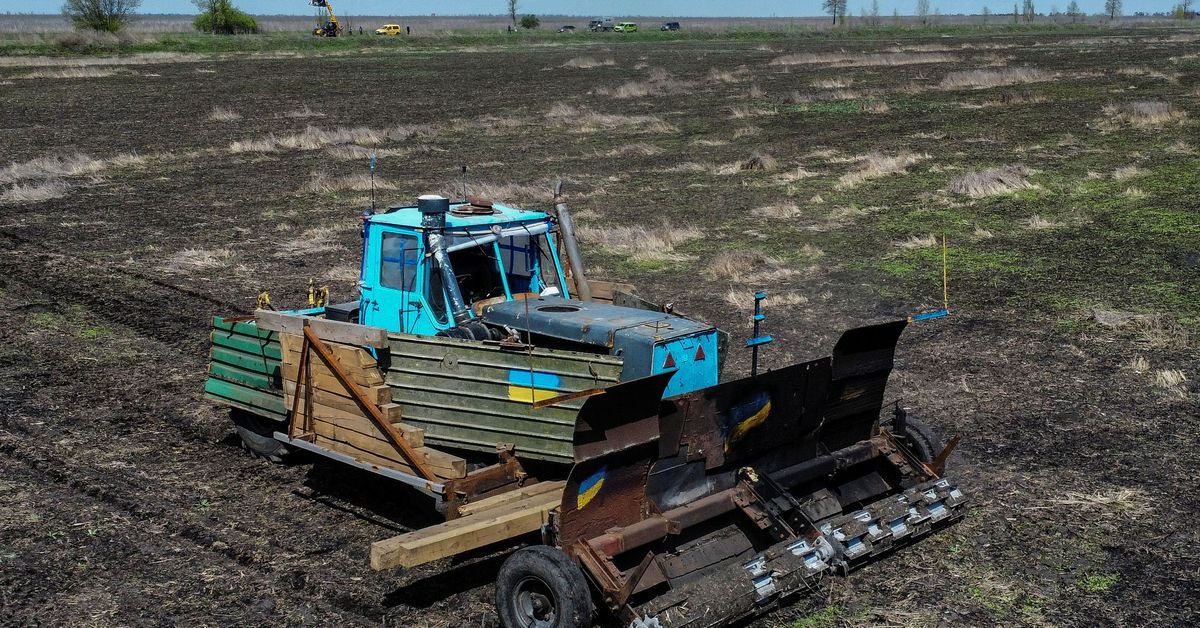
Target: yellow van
[389,29]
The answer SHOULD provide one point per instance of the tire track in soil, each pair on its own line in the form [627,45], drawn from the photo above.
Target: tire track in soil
[72,281]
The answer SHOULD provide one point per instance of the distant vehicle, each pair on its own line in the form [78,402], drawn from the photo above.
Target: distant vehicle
[566,29]
[601,24]
[669,26]
[626,27]
[389,29]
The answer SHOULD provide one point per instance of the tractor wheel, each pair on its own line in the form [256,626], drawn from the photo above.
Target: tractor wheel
[922,440]
[540,587]
[256,434]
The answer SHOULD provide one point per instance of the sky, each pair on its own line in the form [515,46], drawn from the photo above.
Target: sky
[617,8]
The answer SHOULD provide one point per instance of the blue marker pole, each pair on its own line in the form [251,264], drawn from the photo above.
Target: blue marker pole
[757,341]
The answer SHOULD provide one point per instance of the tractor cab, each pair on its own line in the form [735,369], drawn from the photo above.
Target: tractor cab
[494,254]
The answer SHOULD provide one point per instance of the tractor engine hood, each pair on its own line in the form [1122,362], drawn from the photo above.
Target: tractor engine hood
[590,323]
[649,342]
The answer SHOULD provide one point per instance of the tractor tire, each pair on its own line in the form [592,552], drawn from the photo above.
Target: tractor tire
[922,440]
[256,434]
[540,587]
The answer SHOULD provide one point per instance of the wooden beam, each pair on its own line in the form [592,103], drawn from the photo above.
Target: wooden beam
[392,411]
[362,377]
[351,357]
[347,431]
[395,438]
[333,331]
[465,533]
[377,395]
[504,499]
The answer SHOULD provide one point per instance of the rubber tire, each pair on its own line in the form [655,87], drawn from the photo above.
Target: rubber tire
[256,434]
[557,574]
[922,440]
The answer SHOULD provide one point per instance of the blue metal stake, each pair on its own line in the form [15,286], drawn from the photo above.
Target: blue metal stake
[757,341]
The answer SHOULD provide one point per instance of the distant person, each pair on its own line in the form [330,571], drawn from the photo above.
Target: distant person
[360,30]
[408,30]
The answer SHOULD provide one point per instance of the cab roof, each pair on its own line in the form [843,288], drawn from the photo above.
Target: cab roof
[410,218]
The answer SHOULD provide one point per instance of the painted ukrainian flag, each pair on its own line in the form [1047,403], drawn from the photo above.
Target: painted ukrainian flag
[531,386]
[589,488]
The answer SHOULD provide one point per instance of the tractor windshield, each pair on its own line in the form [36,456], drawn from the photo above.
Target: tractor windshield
[491,266]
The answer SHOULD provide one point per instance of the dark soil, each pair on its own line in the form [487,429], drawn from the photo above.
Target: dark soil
[127,500]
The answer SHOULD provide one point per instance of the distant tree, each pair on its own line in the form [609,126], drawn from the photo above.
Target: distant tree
[836,8]
[1186,5]
[1016,14]
[1073,11]
[221,17]
[1112,8]
[873,14]
[100,15]
[896,16]
[987,13]
[1028,11]
[923,11]
[512,12]
[530,22]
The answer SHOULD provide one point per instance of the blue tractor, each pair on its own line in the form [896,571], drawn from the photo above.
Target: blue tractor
[479,270]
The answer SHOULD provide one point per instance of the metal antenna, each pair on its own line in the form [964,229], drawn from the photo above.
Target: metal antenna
[462,181]
[758,340]
[372,182]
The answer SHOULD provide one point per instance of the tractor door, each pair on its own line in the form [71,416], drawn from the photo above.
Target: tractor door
[396,279]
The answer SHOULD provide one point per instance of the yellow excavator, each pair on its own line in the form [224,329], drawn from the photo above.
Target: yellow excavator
[331,28]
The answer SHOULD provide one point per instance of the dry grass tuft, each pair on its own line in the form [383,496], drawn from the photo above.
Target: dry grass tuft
[746,131]
[1134,192]
[1138,364]
[586,63]
[311,138]
[195,260]
[748,267]
[1127,172]
[728,76]
[852,59]
[874,106]
[918,242]
[221,114]
[1122,500]
[56,166]
[1150,73]
[1143,114]
[982,234]
[507,193]
[1019,97]
[1181,147]
[639,242]
[779,211]
[759,161]
[69,73]
[743,299]
[302,113]
[833,83]
[34,192]
[983,79]
[583,120]
[638,148]
[1172,381]
[322,182]
[991,182]
[877,165]
[659,84]
[1037,222]
[1159,332]
[756,91]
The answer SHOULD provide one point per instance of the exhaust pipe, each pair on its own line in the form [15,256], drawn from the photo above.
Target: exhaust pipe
[567,229]
[433,210]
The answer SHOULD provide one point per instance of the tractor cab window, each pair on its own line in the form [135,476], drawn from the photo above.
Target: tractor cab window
[520,257]
[398,263]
